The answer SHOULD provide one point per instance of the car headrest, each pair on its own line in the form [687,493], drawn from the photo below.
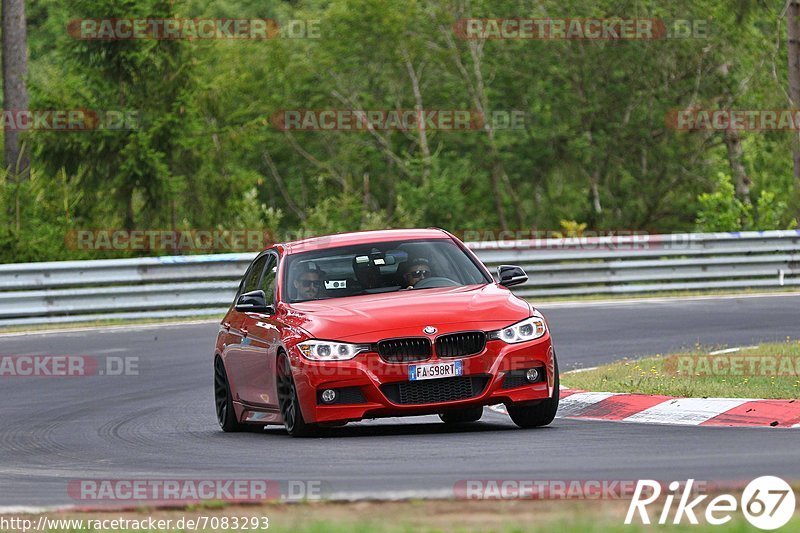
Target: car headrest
[367,272]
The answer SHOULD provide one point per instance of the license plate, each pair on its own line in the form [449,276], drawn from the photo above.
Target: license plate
[435,370]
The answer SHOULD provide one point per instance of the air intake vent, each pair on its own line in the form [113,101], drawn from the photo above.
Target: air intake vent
[344,395]
[516,378]
[460,344]
[435,390]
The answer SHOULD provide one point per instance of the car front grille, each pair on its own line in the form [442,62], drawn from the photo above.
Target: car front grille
[405,350]
[435,390]
[460,344]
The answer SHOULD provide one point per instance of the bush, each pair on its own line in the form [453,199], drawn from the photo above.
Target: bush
[721,210]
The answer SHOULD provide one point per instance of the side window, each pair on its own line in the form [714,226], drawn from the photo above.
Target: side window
[254,274]
[268,281]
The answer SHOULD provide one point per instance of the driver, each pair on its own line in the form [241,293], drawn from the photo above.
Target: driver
[308,284]
[416,271]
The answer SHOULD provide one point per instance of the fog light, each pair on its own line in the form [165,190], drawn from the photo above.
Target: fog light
[532,375]
[328,395]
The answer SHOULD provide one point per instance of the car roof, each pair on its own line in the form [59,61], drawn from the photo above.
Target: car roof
[361,237]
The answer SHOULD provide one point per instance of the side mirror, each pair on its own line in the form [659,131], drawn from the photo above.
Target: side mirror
[511,275]
[254,302]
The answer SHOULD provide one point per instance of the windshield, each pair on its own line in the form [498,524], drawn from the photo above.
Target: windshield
[379,267]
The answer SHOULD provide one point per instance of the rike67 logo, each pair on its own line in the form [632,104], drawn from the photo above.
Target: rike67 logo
[767,502]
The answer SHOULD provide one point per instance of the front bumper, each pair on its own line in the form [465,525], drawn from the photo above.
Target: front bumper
[374,383]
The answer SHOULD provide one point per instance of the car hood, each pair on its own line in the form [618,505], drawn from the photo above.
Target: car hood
[369,318]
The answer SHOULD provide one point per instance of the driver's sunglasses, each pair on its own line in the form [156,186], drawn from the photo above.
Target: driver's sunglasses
[420,274]
[309,282]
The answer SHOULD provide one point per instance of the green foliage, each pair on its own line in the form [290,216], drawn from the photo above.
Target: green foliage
[572,228]
[721,210]
[593,146]
[769,212]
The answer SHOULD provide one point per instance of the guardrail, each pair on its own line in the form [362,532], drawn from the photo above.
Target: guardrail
[77,291]
[651,263]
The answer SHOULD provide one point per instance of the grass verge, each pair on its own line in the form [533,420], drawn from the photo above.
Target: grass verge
[765,371]
[502,516]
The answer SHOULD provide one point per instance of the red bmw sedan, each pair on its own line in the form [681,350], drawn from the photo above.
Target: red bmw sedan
[347,327]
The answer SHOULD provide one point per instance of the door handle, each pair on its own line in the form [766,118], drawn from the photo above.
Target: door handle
[226,325]
[244,332]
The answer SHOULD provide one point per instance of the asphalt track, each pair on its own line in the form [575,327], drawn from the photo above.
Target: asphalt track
[160,424]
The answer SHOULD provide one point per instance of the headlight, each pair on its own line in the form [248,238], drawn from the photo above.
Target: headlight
[330,351]
[526,330]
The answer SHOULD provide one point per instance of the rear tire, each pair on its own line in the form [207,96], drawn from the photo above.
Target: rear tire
[540,413]
[226,414]
[292,414]
[462,416]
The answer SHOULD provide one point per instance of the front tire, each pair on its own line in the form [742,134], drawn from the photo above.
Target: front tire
[293,420]
[540,413]
[223,399]
[462,416]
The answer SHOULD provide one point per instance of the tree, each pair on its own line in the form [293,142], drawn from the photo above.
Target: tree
[15,93]
[137,171]
[793,45]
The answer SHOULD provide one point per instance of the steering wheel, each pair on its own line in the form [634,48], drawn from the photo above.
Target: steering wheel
[429,283]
